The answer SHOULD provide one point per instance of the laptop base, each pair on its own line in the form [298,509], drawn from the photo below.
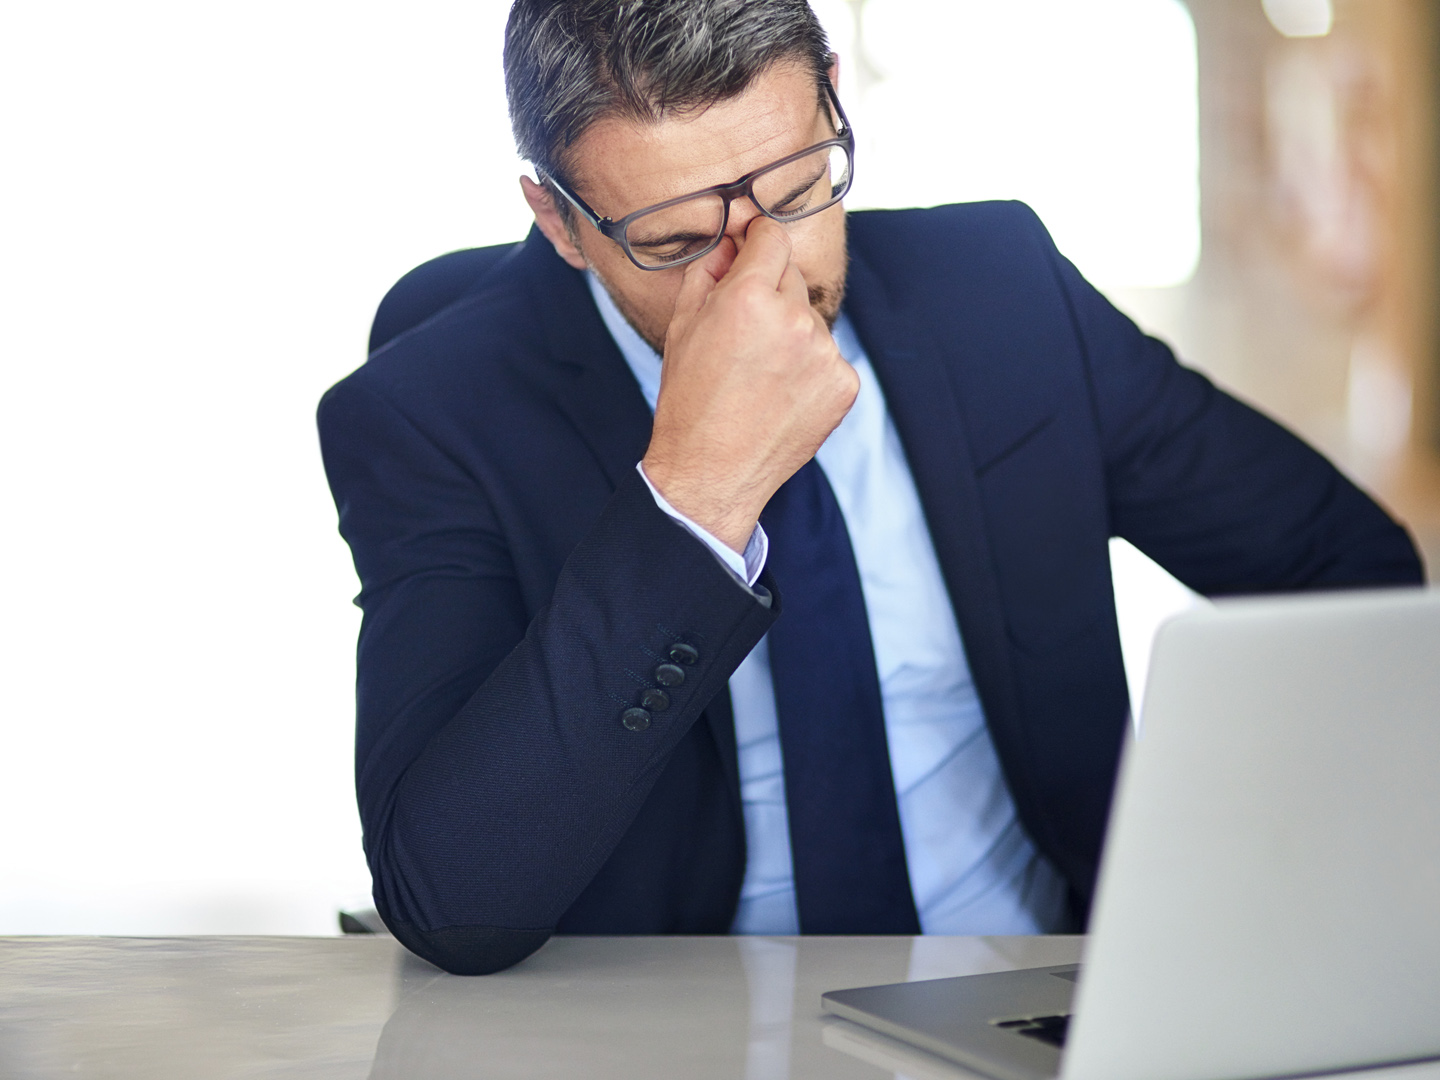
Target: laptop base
[982,1022]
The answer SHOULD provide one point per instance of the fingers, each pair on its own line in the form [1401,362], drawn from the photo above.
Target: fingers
[766,254]
[700,280]
[793,287]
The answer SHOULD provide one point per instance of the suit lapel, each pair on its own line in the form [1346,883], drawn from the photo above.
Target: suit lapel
[589,379]
[595,389]
[922,401]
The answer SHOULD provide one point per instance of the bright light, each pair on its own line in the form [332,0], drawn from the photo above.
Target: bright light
[1088,112]
[205,202]
[1146,597]
[1300,18]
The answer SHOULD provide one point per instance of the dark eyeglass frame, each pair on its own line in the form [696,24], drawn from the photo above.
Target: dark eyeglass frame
[618,230]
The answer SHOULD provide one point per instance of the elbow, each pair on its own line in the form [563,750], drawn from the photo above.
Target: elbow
[459,949]
[470,950]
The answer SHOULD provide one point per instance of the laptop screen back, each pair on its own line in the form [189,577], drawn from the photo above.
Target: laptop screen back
[1269,900]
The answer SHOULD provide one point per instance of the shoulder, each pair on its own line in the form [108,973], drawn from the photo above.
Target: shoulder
[461,330]
[959,241]
[987,266]
[977,219]
[433,286]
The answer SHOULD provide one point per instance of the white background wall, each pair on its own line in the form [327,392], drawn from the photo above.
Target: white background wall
[201,205]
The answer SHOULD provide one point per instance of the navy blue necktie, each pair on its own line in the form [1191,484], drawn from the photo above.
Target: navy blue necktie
[845,840]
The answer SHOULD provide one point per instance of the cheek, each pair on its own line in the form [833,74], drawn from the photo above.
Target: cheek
[646,300]
[820,252]
[640,292]
[651,296]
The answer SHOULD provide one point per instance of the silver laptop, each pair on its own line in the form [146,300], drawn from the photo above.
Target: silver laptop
[1269,897]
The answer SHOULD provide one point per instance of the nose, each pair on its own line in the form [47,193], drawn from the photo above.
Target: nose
[742,213]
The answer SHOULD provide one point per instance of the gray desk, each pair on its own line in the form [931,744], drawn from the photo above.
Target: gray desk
[342,1008]
[595,1008]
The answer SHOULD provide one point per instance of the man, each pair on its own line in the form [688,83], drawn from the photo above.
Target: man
[899,449]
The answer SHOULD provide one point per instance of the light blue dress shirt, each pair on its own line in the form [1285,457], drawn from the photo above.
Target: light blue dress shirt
[973,870]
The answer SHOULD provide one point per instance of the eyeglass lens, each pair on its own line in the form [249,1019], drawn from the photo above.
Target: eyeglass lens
[787,192]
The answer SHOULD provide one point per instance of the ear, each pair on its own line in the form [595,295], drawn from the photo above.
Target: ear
[833,71]
[542,205]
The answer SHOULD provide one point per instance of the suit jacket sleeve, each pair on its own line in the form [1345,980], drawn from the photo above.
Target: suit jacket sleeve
[487,811]
[1220,495]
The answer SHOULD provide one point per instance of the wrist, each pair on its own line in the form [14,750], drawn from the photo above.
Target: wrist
[724,514]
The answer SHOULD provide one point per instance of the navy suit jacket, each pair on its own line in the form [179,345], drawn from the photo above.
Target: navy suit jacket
[519,584]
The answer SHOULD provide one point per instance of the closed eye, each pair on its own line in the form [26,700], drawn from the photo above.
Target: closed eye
[786,205]
[674,240]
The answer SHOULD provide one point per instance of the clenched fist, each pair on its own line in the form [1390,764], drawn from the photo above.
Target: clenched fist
[752,384]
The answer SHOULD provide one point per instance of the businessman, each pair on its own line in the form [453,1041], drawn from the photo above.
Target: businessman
[733,565]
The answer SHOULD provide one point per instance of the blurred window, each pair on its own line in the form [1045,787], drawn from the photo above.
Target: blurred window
[1086,111]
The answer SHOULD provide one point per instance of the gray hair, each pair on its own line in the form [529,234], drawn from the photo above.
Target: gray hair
[568,63]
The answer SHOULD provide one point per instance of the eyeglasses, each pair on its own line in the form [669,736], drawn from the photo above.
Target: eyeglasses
[688,227]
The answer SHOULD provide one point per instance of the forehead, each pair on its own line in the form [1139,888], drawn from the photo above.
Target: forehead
[619,165]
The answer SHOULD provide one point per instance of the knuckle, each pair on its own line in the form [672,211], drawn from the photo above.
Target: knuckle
[752,301]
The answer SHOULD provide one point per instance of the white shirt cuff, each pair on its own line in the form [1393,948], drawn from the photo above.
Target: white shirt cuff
[745,567]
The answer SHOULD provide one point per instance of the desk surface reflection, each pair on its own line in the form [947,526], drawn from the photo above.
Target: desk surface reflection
[342,1008]
[639,1007]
